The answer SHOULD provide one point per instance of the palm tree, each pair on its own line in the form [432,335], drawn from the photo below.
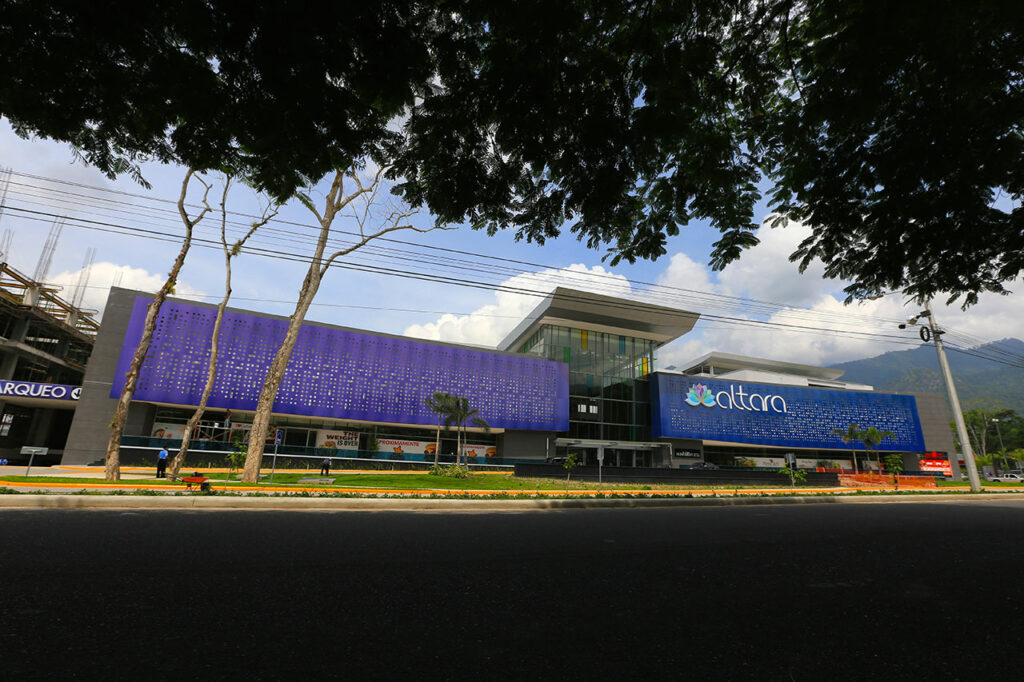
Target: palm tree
[459,414]
[872,437]
[851,435]
[440,404]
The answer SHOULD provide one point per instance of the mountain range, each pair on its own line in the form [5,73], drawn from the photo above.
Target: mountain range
[980,381]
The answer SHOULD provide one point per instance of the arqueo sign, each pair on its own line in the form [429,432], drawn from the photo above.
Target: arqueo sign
[31,389]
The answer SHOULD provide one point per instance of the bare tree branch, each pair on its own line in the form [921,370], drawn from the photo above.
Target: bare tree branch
[362,242]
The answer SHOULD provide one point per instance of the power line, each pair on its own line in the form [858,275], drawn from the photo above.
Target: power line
[633,305]
[778,307]
[653,290]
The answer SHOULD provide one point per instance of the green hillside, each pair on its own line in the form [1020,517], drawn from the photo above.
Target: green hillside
[980,382]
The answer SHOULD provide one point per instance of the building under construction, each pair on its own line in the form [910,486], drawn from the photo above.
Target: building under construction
[45,343]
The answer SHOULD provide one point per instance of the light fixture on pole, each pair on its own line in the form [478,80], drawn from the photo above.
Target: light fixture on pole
[927,334]
[1002,448]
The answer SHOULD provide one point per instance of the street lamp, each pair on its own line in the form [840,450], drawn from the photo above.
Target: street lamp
[1002,448]
[928,333]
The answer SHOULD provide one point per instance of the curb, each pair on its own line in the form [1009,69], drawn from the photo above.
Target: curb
[196,502]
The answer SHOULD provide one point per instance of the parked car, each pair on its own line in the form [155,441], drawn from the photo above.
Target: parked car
[700,465]
[1009,478]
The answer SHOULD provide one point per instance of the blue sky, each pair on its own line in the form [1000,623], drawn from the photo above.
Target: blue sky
[474,315]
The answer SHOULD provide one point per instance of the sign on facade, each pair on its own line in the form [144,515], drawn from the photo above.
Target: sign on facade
[32,389]
[783,416]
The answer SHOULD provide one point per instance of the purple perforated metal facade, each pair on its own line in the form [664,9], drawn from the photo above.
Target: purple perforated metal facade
[338,373]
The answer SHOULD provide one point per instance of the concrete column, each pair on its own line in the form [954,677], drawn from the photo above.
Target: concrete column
[39,427]
[8,364]
[19,330]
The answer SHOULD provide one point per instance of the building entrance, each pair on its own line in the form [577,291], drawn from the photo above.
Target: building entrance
[615,454]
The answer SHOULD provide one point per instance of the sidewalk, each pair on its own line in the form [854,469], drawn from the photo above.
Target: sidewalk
[241,502]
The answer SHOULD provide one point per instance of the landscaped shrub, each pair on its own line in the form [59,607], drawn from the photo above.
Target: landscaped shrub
[450,471]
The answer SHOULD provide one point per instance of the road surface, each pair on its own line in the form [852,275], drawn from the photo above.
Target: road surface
[874,591]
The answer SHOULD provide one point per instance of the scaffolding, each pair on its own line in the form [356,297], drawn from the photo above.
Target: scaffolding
[22,292]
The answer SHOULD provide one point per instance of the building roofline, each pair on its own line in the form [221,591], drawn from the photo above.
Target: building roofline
[731,361]
[601,313]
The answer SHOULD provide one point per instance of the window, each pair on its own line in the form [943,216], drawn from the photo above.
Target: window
[5,423]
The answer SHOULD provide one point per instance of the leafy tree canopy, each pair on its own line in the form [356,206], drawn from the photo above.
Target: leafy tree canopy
[892,129]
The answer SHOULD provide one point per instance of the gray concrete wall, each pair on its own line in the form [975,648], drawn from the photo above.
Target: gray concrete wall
[935,416]
[90,429]
[526,444]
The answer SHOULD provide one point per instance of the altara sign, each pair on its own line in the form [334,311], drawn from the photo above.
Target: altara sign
[735,399]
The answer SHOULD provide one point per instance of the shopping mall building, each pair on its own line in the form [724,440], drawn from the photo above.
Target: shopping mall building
[577,375]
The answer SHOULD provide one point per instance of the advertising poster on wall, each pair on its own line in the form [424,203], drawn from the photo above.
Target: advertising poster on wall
[329,439]
[938,466]
[402,446]
[475,452]
[167,430]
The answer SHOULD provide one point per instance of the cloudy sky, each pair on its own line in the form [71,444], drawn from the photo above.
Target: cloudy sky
[761,306]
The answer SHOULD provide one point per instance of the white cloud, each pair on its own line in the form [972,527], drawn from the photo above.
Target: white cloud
[764,273]
[489,324]
[104,275]
[823,331]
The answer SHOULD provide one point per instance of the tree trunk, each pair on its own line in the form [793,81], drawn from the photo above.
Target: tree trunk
[458,446]
[437,443]
[853,451]
[275,375]
[335,201]
[211,375]
[113,464]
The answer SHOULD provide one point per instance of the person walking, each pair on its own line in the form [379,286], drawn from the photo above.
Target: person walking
[325,467]
[161,463]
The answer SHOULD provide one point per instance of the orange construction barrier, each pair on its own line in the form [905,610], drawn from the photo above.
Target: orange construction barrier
[884,481]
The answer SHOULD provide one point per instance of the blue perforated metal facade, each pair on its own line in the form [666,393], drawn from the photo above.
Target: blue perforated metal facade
[773,415]
[339,373]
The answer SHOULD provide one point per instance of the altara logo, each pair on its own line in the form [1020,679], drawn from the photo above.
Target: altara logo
[700,395]
[735,399]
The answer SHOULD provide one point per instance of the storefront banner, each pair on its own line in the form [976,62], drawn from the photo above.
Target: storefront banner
[393,446]
[406,447]
[339,440]
[32,389]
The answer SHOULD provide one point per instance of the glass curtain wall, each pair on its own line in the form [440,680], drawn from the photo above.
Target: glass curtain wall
[609,397]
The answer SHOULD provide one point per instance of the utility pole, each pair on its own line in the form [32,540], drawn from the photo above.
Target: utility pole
[954,401]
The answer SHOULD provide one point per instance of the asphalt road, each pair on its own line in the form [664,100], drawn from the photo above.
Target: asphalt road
[881,591]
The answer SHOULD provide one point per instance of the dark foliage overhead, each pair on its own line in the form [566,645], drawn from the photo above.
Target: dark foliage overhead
[892,128]
[272,90]
[899,130]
